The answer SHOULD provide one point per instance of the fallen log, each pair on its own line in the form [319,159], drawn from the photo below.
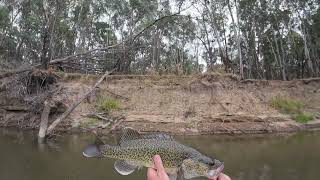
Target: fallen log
[69,110]
[44,122]
[11,73]
[15,108]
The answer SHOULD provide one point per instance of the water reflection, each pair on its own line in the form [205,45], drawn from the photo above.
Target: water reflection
[285,157]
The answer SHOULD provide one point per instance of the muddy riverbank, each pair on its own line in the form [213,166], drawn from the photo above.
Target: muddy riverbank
[204,104]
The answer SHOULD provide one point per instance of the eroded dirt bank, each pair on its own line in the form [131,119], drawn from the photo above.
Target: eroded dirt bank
[206,104]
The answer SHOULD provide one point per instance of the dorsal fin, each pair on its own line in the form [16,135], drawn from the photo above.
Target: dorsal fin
[129,134]
[157,136]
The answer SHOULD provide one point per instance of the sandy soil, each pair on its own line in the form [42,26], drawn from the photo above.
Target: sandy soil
[206,104]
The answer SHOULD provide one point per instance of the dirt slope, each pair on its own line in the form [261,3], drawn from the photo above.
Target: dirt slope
[207,104]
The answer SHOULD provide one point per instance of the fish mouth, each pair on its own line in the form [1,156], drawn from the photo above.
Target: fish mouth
[215,170]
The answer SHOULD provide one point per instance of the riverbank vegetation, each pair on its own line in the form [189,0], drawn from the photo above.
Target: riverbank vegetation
[108,104]
[293,107]
[253,39]
[171,61]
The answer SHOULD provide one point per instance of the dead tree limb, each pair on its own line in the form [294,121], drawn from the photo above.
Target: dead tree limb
[55,61]
[11,73]
[44,122]
[99,116]
[117,122]
[59,60]
[158,20]
[67,58]
[65,114]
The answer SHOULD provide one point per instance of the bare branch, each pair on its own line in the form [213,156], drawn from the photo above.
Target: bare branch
[66,114]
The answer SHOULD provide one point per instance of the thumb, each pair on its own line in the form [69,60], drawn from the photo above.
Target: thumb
[151,174]
[159,165]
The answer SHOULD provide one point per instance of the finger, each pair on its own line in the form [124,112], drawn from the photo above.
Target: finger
[159,165]
[151,174]
[223,177]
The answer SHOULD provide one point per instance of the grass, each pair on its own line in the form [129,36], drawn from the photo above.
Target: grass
[303,117]
[287,105]
[292,107]
[108,104]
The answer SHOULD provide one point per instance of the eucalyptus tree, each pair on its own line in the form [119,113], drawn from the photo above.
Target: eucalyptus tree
[255,39]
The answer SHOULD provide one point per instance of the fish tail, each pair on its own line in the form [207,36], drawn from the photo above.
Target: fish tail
[92,150]
[95,150]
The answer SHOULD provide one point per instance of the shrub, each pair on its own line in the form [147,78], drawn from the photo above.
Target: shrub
[303,117]
[292,107]
[108,104]
[287,105]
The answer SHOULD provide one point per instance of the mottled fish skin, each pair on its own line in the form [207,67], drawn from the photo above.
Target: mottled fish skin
[136,150]
[141,152]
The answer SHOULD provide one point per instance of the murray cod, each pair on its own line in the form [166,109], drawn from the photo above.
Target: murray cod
[137,150]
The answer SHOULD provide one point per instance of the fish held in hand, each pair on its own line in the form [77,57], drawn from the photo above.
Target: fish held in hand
[137,150]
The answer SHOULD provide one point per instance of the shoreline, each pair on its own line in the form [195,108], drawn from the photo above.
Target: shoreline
[185,105]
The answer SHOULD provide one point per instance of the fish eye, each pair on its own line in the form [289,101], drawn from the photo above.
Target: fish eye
[210,163]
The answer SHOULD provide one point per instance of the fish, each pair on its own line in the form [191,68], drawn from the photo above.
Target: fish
[135,150]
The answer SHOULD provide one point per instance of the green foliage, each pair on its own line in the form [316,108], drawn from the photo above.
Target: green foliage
[272,44]
[292,107]
[287,105]
[108,104]
[303,117]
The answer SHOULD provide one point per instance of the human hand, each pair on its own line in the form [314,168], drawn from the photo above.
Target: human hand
[223,177]
[158,172]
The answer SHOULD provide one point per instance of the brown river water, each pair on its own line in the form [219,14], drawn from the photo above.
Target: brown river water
[268,157]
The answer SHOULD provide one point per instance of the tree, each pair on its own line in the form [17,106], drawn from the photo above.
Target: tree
[254,39]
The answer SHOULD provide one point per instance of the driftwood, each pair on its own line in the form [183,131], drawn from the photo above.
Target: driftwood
[44,122]
[11,73]
[66,114]
[117,122]
[15,108]
[98,115]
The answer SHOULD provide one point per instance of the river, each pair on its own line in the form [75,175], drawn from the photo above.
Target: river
[269,157]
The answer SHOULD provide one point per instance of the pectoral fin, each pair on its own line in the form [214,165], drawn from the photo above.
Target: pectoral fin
[180,175]
[172,176]
[124,168]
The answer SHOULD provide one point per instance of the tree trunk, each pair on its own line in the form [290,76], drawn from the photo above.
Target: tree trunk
[237,36]
[44,122]
[239,43]
[283,74]
[306,52]
[45,48]
[215,30]
[273,51]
